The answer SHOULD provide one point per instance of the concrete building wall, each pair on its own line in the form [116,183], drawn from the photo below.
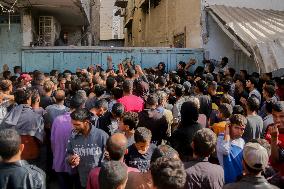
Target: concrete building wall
[219,45]
[256,4]
[159,26]
[110,25]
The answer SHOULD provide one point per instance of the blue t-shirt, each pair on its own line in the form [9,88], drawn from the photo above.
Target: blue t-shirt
[230,155]
[90,149]
[137,160]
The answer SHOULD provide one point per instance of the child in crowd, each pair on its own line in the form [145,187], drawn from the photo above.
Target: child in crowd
[128,124]
[140,153]
[230,146]
[225,112]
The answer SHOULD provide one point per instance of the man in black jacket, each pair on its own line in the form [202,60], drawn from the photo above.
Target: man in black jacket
[154,120]
[16,173]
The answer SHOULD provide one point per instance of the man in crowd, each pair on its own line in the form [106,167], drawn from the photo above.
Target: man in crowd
[254,126]
[27,123]
[230,146]
[116,148]
[113,175]
[168,174]
[255,160]
[154,120]
[60,133]
[199,171]
[14,172]
[128,124]
[86,145]
[130,102]
[140,153]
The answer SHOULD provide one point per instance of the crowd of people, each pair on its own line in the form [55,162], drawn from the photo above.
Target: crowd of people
[132,128]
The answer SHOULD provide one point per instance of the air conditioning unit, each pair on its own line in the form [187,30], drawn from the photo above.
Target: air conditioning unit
[49,30]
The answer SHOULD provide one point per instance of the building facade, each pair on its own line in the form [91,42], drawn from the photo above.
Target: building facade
[163,23]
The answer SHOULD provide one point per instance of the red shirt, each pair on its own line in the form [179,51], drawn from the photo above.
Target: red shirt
[132,103]
[93,179]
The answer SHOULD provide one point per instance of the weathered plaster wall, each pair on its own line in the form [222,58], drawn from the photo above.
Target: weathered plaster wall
[162,23]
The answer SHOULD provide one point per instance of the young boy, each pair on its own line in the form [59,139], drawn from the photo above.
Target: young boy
[225,112]
[128,124]
[140,153]
[230,147]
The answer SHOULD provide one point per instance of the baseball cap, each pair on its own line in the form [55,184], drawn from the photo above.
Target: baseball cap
[255,156]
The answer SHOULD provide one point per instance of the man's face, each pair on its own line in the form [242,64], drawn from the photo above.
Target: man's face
[79,126]
[248,84]
[212,91]
[142,147]
[121,125]
[264,93]
[278,118]
[238,84]
[236,131]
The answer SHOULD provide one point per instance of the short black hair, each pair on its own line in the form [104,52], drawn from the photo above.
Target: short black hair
[99,90]
[6,74]
[270,89]
[9,143]
[17,68]
[182,64]
[117,93]
[201,85]
[81,114]
[130,119]
[253,103]
[226,110]
[225,59]
[204,141]
[278,106]
[238,109]
[179,90]
[232,71]
[22,96]
[163,151]
[168,174]
[268,107]
[35,95]
[152,100]
[101,103]
[142,134]
[77,101]
[226,87]
[127,86]
[110,82]
[254,81]
[117,109]
[270,82]
[161,81]
[112,174]
[130,72]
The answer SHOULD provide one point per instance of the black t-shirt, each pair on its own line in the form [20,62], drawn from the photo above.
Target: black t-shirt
[46,101]
[137,160]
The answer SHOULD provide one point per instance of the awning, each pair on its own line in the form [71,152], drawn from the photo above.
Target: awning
[259,33]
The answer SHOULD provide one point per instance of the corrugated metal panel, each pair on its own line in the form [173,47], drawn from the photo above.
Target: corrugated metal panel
[262,31]
[62,58]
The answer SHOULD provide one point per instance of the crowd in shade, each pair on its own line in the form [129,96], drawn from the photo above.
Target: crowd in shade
[131,128]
